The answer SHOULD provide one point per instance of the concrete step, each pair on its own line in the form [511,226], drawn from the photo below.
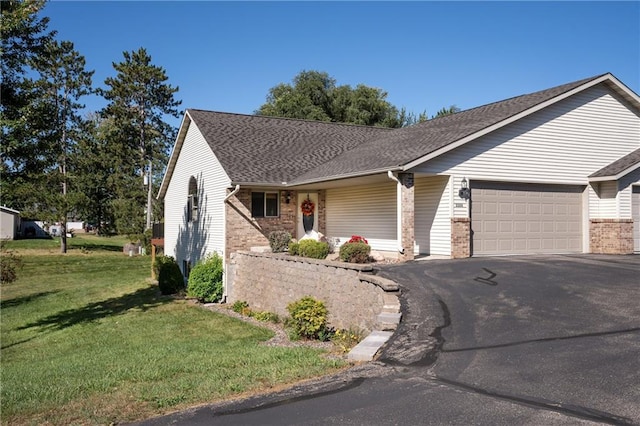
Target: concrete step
[388,320]
[367,349]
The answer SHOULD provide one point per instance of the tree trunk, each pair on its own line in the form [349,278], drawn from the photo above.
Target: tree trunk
[149,196]
[63,236]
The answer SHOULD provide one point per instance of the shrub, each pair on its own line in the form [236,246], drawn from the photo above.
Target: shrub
[355,252]
[170,278]
[308,318]
[240,307]
[313,249]
[9,265]
[205,280]
[279,241]
[266,316]
[294,247]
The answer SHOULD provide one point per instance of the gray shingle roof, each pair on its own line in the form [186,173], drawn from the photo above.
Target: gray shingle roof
[270,150]
[260,149]
[619,166]
[405,145]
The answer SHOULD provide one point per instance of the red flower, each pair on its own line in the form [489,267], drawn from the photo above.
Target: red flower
[357,239]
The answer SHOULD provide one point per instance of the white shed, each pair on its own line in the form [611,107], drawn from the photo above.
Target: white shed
[9,223]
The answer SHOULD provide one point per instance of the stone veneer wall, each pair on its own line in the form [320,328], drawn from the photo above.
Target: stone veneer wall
[408,215]
[611,236]
[460,237]
[269,282]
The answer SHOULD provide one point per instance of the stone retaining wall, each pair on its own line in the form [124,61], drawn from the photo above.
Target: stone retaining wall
[269,282]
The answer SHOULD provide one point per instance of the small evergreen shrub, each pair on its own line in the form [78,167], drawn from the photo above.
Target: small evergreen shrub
[170,279]
[10,263]
[205,280]
[313,249]
[294,248]
[279,241]
[355,252]
[308,318]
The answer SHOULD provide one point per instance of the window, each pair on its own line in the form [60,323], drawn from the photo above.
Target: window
[192,201]
[265,204]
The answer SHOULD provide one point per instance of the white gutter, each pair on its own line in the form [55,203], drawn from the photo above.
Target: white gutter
[399,210]
[232,193]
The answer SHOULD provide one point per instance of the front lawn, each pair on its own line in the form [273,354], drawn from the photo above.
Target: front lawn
[87,339]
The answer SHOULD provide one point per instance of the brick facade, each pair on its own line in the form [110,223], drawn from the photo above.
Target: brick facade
[611,236]
[460,237]
[244,231]
[408,215]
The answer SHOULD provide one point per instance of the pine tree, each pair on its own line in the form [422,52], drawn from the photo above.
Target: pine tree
[139,98]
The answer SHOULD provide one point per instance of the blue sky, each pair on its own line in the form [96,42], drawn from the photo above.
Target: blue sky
[224,56]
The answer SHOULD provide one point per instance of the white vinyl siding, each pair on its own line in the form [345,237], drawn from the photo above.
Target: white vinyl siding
[563,143]
[191,241]
[368,211]
[433,215]
[608,206]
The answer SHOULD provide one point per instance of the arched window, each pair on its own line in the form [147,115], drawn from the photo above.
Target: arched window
[192,201]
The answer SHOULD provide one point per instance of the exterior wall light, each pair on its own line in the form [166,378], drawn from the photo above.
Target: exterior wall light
[464,192]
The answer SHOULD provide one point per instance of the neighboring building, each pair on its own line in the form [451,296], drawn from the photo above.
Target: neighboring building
[555,171]
[9,223]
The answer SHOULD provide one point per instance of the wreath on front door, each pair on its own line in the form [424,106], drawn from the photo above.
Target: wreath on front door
[307,207]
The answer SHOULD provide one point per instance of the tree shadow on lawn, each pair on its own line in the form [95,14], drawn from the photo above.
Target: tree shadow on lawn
[95,247]
[142,300]
[24,299]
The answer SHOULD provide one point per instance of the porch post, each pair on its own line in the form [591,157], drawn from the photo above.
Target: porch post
[407,200]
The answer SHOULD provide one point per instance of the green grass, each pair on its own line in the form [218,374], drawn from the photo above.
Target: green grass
[87,339]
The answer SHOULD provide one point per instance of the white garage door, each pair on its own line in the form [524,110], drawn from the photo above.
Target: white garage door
[635,205]
[525,218]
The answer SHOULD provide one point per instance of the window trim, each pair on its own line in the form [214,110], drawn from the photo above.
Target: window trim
[264,205]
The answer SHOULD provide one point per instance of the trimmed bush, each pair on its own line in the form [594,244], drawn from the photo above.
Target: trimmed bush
[279,241]
[313,249]
[205,280]
[170,279]
[355,252]
[294,248]
[308,318]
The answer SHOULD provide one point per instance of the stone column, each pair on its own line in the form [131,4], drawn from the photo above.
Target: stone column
[408,237]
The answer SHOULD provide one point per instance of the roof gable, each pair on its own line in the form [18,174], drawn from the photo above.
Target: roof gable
[274,151]
[618,168]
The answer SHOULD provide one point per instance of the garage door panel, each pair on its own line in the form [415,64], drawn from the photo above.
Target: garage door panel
[521,219]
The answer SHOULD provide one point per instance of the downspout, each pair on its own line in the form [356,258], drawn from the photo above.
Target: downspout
[232,193]
[224,271]
[399,210]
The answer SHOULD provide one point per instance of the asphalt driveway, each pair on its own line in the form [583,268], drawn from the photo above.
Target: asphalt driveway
[512,340]
[554,332]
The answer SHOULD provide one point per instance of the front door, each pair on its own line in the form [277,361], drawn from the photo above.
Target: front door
[307,214]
